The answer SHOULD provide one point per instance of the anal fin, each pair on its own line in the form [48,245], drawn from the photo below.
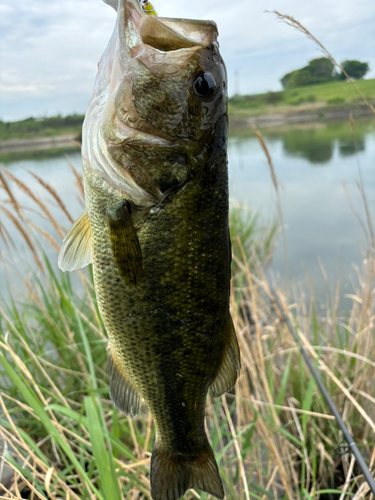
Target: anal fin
[230,366]
[76,249]
[123,395]
[125,245]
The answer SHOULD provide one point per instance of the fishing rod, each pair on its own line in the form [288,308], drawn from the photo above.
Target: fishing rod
[353,447]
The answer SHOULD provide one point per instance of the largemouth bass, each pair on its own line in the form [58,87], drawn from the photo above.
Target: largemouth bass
[156,231]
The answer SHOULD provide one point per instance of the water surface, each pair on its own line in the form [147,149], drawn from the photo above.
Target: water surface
[318,169]
[311,164]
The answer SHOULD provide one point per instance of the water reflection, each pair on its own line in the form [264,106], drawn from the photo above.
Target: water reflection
[317,143]
[349,148]
[308,144]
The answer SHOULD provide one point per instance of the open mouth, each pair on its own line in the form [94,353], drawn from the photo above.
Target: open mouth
[160,33]
[167,34]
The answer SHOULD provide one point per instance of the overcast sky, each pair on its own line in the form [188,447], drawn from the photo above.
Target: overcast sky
[49,48]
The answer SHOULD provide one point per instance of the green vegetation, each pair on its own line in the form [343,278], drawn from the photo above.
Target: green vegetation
[312,96]
[322,70]
[355,69]
[273,437]
[319,70]
[41,127]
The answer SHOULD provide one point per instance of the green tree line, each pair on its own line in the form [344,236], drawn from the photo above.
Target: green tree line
[322,70]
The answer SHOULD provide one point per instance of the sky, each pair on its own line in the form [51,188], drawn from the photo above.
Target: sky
[49,49]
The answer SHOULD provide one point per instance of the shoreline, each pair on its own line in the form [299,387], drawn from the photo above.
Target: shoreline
[38,144]
[236,121]
[295,117]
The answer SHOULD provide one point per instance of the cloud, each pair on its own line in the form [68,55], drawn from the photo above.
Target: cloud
[49,49]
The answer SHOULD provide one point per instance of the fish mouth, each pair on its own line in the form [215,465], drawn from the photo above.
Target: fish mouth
[164,46]
[150,40]
[168,34]
[137,29]
[161,33]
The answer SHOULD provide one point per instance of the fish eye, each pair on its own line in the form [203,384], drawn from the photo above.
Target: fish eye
[204,84]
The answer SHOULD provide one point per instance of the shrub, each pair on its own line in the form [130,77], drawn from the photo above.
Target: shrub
[355,69]
[273,97]
[336,100]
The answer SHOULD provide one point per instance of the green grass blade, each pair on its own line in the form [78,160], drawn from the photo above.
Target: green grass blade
[68,412]
[108,479]
[283,385]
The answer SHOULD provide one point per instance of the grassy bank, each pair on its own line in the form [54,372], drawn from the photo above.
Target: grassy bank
[41,127]
[335,94]
[273,436]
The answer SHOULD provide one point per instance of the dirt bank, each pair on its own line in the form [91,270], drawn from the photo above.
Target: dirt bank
[299,116]
[38,143]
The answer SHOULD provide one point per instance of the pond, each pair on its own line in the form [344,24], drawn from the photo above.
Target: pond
[317,167]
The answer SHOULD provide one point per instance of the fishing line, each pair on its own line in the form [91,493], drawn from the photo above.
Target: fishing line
[352,446]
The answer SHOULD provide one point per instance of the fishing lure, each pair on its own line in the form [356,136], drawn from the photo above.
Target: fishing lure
[148,8]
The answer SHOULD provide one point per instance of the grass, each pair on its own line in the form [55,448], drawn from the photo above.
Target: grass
[313,96]
[42,127]
[272,436]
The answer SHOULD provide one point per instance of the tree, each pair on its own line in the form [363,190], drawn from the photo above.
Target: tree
[321,68]
[355,69]
[301,78]
[318,70]
[285,79]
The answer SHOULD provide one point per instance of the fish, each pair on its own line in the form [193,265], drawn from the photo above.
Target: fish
[155,228]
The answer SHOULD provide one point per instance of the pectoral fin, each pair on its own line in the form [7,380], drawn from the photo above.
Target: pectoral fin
[123,394]
[125,246]
[230,366]
[76,249]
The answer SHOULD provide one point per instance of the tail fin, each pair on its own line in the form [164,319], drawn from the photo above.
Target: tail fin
[172,475]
